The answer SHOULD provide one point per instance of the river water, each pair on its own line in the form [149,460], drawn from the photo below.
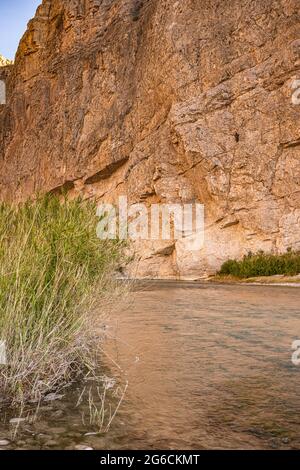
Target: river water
[208,366]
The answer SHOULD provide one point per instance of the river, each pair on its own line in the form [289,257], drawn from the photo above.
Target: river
[208,366]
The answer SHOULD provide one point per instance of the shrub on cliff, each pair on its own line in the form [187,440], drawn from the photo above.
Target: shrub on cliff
[53,273]
[262,264]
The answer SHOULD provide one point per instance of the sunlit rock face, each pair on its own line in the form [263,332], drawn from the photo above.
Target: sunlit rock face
[4,62]
[164,101]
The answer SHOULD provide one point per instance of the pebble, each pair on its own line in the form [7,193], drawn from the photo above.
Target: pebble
[46,408]
[274,444]
[57,430]
[73,434]
[21,443]
[51,443]
[57,414]
[17,420]
[44,437]
[53,397]
[4,443]
[83,447]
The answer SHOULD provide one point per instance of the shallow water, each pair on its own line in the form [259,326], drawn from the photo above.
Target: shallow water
[208,367]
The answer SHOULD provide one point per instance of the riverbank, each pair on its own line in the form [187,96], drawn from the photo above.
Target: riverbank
[276,280]
[55,278]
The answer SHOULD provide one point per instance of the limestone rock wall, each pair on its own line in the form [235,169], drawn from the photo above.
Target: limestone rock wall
[165,101]
[4,62]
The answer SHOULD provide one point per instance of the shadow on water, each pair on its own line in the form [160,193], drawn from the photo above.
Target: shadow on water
[208,366]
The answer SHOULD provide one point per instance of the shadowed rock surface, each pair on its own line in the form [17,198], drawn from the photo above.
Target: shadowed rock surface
[165,101]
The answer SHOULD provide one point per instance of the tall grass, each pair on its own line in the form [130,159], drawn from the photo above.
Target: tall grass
[263,264]
[53,271]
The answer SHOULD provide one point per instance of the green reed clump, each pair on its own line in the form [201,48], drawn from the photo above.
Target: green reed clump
[263,264]
[53,273]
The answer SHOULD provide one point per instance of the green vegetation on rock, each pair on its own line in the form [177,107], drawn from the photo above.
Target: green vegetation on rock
[263,264]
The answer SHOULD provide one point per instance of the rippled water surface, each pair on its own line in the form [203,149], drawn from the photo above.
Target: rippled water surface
[208,366]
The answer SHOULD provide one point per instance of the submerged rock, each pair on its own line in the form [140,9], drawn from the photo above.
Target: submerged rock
[51,443]
[83,447]
[17,420]
[4,443]
[53,397]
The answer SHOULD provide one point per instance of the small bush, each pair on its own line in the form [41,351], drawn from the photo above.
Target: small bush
[262,264]
[53,269]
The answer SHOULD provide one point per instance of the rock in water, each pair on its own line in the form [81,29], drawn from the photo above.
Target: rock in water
[83,447]
[53,397]
[4,443]
[17,421]
[164,101]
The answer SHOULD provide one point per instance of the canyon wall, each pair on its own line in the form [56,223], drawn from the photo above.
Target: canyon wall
[4,62]
[164,101]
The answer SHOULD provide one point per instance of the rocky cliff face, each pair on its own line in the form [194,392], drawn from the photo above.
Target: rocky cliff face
[165,101]
[4,62]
